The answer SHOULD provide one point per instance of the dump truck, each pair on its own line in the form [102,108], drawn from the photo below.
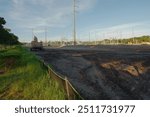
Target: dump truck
[35,45]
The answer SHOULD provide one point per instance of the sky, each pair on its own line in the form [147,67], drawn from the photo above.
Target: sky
[95,19]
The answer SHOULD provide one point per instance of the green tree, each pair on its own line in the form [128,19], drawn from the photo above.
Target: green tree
[2,22]
[6,37]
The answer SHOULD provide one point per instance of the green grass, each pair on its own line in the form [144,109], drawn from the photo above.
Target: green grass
[25,77]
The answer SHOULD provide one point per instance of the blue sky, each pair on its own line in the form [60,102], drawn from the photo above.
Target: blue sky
[99,18]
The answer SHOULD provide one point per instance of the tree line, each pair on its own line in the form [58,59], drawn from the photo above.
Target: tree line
[133,40]
[6,37]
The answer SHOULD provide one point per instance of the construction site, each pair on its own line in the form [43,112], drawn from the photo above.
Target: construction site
[103,72]
[95,50]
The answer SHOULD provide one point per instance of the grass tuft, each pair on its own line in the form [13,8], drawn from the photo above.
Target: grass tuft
[24,77]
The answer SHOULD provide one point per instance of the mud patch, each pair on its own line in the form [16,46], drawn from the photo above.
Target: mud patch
[2,72]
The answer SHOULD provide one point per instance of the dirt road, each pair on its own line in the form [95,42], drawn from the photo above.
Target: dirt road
[104,72]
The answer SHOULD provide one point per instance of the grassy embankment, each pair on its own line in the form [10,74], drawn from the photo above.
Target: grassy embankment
[22,76]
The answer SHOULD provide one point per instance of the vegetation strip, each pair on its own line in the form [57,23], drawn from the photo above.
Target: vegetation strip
[72,93]
[22,76]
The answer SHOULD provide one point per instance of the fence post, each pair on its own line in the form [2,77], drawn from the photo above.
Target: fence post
[49,72]
[67,88]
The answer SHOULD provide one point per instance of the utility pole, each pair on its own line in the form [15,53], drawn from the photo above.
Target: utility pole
[45,36]
[32,34]
[104,38]
[89,37]
[74,22]
[95,38]
[133,35]
[117,37]
[121,37]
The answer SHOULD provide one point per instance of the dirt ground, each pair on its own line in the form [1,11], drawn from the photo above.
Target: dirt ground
[104,72]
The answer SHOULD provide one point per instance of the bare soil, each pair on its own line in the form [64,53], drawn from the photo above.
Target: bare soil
[104,72]
[2,71]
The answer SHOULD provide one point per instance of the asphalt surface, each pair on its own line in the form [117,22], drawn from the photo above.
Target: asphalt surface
[103,72]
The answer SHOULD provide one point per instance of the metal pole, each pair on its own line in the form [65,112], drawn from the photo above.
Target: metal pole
[121,37]
[32,34]
[74,21]
[45,36]
[95,38]
[89,37]
[104,39]
[133,35]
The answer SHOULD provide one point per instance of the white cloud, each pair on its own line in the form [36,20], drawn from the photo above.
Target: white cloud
[85,4]
[23,15]
[119,27]
[125,26]
[15,1]
[118,31]
[40,13]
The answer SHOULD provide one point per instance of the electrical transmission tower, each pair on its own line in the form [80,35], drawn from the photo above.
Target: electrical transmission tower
[74,22]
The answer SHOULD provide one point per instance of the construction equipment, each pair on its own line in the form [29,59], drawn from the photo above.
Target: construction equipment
[35,45]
